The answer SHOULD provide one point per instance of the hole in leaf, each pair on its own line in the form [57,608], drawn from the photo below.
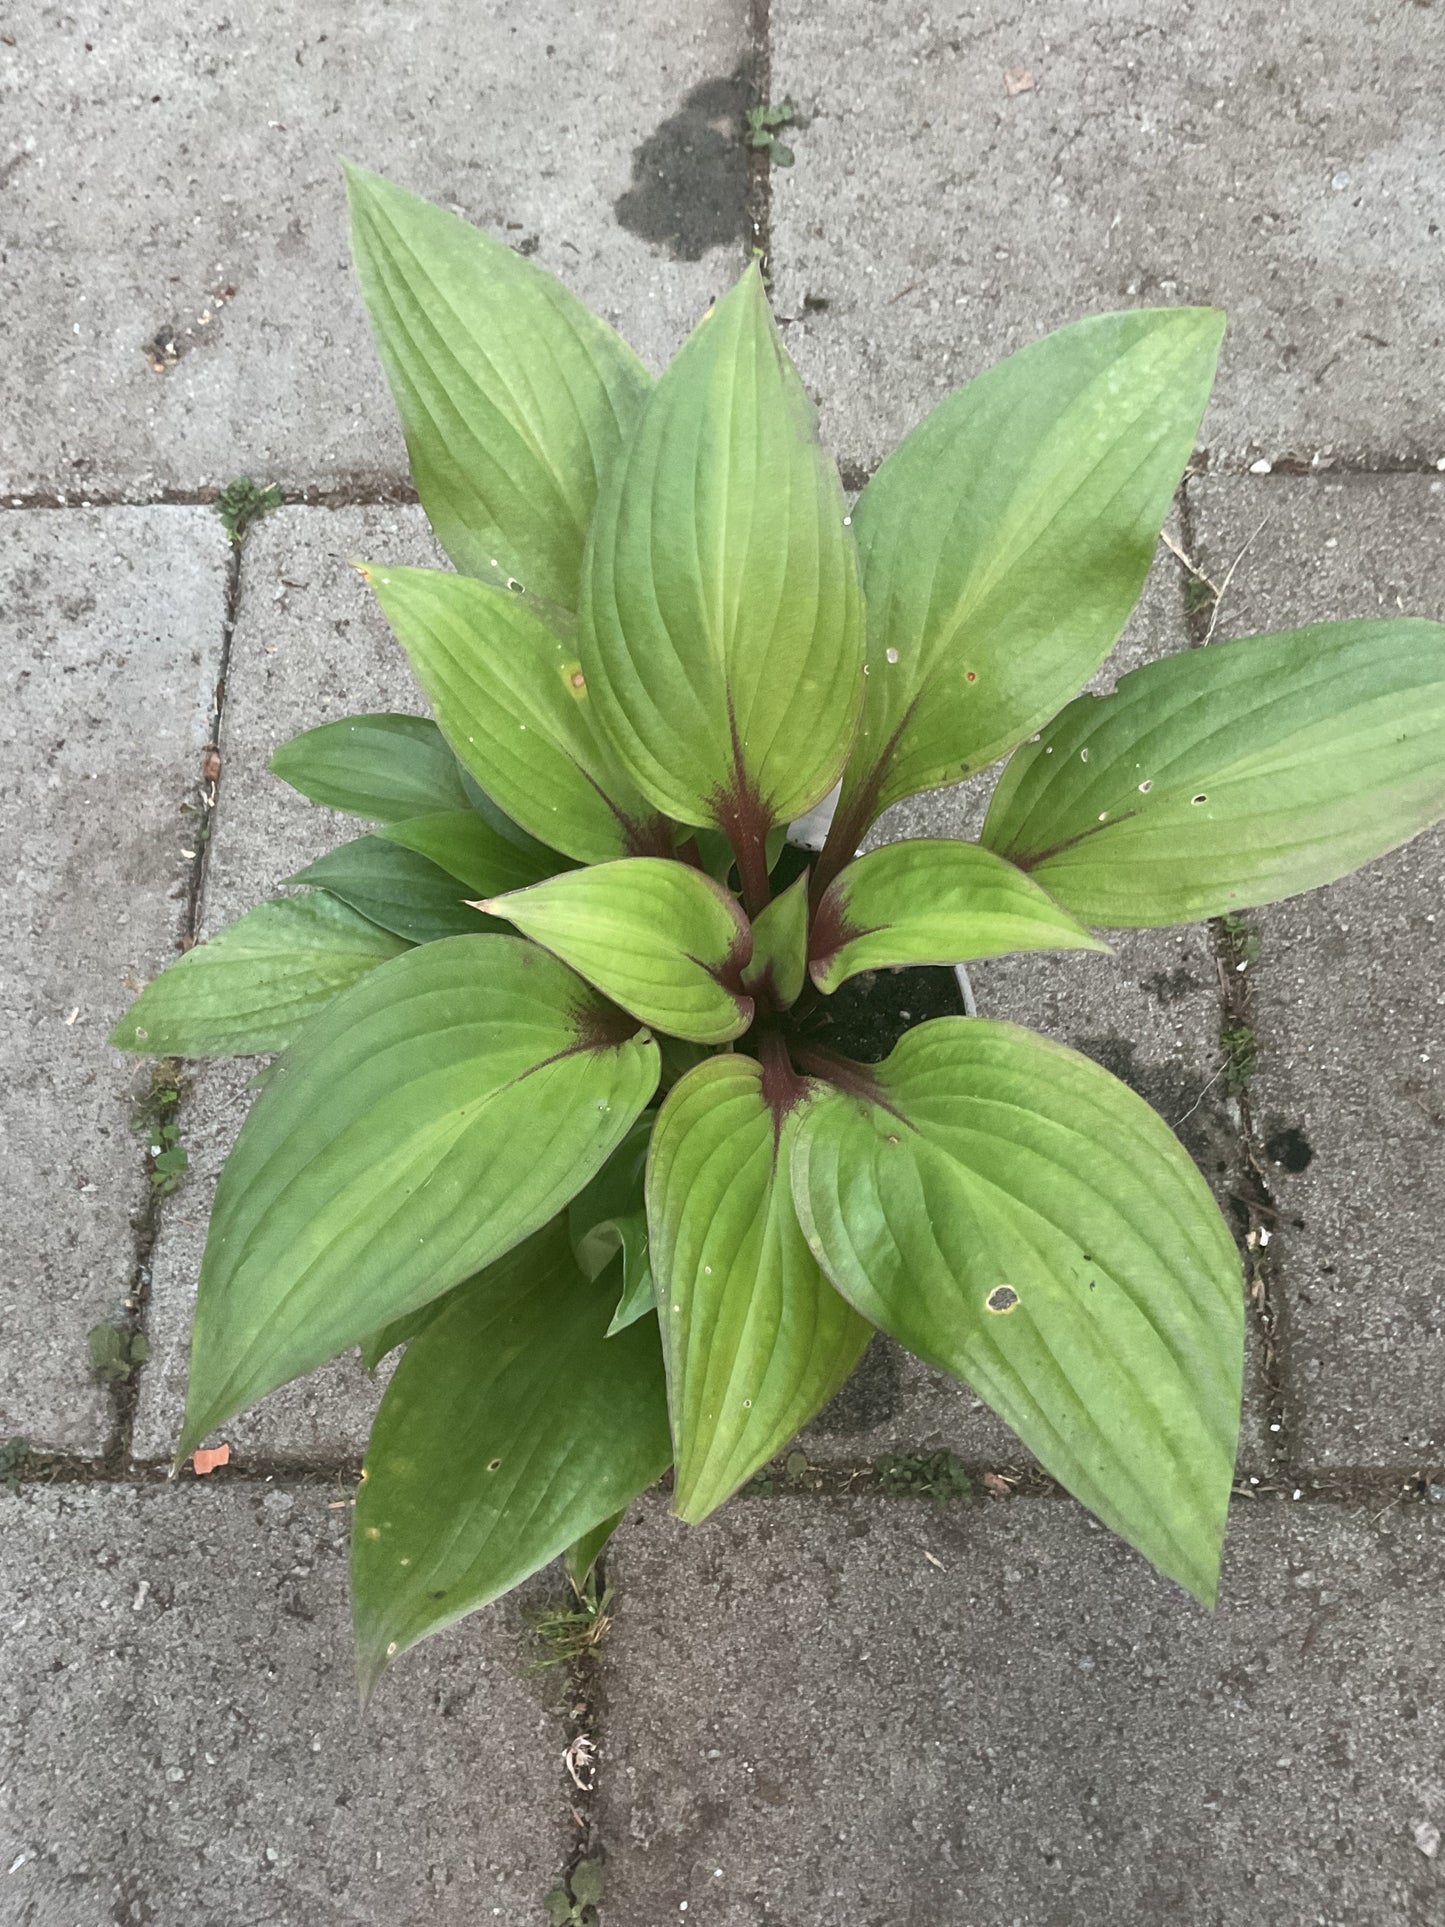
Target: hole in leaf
[1201,798]
[493,1465]
[1146,786]
[1002,1298]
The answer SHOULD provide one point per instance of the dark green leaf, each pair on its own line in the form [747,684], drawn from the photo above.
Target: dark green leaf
[722,622]
[657,937]
[780,947]
[384,767]
[513,396]
[513,1426]
[396,888]
[434,1115]
[509,691]
[1004,543]
[468,848]
[1231,776]
[756,1339]
[582,1555]
[1006,1209]
[610,1215]
[251,988]
[932,901]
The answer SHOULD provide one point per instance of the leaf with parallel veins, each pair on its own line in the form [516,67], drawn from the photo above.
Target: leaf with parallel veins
[780,948]
[660,938]
[513,396]
[722,622]
[1005,541]
[756,1339]
[1012,1213]
[513,1428]
[508,690]
[931,901]
[1227,777]
[384,766]
[468,848]
[397,888]
[431,1117]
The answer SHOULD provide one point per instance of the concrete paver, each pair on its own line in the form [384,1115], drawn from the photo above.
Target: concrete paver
[310,647]
[177,269]
[110,636]
[180,1738]
[868,1713]
[1280,162]
[1350,1011]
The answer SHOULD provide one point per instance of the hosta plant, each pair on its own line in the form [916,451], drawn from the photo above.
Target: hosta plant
[555,1106]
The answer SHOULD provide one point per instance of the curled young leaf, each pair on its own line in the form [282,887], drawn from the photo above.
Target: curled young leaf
[513,396]
[1227,777]
[931,901]
[435,1114]
[1012,1213]
[252,987]
[660,938]
[1005,541]
[780,948]
[722,625]
[756,1339]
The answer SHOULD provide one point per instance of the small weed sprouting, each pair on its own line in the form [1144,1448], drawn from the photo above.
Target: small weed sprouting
[569,1633]
[931,1475]
[115,1352]
[155,1120]
[575,1903]
[243,502]
[1241,1048]
[763,122]
[13,1456]
[1199,596]
[1242,938]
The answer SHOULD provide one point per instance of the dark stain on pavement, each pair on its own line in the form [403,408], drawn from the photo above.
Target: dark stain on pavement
[689,187]
[1288,1146]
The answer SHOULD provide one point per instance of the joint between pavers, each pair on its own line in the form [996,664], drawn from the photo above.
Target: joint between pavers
[760,170]
[344,493]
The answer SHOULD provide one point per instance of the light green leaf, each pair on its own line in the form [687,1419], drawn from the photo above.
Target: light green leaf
[756,1339]
[610,1215]
[509,692]
[468,848]
[434,1115]
[1004,543]
[658,937]
[1231,776]
[722,633]
[512,1427]
[396,888]
[1010,1212]
[251,988]
[582,1555]
[514,398]
[780,947]
[383,766]
[932,902]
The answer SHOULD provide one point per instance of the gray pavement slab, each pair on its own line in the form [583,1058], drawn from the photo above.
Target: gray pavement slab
[1149,1014]
[181,1744]
[1281,163]
[1350,1087]
[110,637]
[310,647]
[178,282]
[882,1713]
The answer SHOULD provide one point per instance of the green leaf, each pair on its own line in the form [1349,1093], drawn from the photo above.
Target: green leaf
[582,1555]
[609,1215]
[722,632]
[657,937]
[467,847]
[755,1337]
[509,691]
[396,888]
[401,1331]
[1005,541]
[932,902]
[251,988]
[1231,776]
[780,947]
[384,767]
[1012,1213]
[514,398]
[434,1115]
[512,1427]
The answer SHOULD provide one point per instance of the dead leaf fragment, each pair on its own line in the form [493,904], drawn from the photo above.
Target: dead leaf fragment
[996,1486]
[209,1459]
[211,766]
[1018,80]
